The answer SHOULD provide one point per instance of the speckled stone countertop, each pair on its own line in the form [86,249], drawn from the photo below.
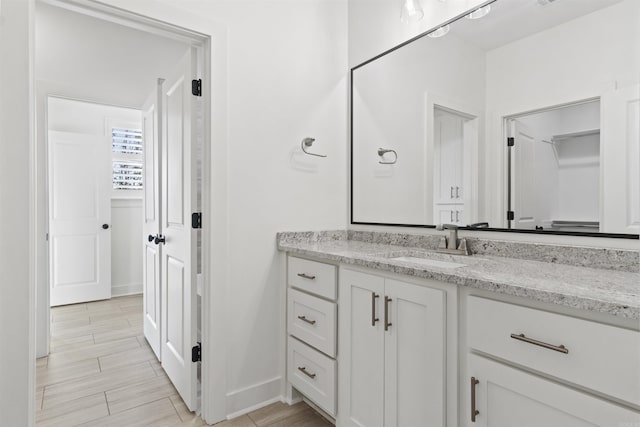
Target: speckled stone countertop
[600,290]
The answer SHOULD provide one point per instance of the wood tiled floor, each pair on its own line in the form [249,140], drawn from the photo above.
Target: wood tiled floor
[102,372]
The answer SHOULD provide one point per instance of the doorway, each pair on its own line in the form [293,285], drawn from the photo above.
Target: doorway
[105,63]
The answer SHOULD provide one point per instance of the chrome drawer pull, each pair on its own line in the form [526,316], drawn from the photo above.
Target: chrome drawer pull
[522,337]
[374,319]
[304,371]
[387,300]
[306,276]
[474,411]
[304,319]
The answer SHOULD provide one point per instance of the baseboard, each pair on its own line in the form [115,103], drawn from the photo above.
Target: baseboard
[240,402]
[122,290]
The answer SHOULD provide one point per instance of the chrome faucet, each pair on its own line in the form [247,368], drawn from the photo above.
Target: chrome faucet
[452,245]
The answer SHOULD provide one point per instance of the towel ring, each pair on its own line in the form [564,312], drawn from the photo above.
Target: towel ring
[383,151]
[308,142]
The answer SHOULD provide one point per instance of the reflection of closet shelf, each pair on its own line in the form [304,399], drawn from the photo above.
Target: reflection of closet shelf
[592,147]
[575,224]
[563,136]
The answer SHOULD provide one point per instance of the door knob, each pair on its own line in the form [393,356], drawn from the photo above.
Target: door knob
[151,237]
[105,226]
[159,239]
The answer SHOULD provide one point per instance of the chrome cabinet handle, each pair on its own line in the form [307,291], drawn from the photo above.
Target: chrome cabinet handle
[306,276]
[303,369]
[383,151]
[387,300]
[474,411]
[374,319]
[451,215]
[451,192]
[304,319]
[457,216]
[457,192]
[559,348]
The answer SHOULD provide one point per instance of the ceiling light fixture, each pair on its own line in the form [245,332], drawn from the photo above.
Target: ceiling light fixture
[479,12]
[411,11]
[439,32]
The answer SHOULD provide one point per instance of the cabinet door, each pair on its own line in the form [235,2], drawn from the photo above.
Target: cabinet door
[361,350]
[507,397]
[449,214]
[415,373]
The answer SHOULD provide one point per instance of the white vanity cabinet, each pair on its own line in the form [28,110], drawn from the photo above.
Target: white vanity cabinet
[529,367]
[312,328]
[392,351]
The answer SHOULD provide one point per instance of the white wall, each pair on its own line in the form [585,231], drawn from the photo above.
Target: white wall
[113,64]
[17,206]
[375,26]
[126,206]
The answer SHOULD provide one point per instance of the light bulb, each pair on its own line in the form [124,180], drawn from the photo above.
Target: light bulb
[439,32]
[479,13]
[411,11]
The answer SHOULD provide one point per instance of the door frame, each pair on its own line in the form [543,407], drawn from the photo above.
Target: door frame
[210,39]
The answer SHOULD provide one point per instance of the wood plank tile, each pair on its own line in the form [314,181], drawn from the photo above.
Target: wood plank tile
[307,418]
[41,361]
[99,382]
[74,412]
[111,335]
[243,421]
[156,414]
[57,317]
[72,308]
[124,358]
[79,330]
[124,398]
[93,351]
[48,375]
[67,344]
[60,327]
[276,412]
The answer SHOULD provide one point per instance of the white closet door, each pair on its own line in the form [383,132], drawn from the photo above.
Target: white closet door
[79,218]
[620,148]
[523,177]
[178,277]
[151,125]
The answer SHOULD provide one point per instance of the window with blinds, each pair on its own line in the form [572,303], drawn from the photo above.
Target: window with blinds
[127,175]
[126,148]
[126,141]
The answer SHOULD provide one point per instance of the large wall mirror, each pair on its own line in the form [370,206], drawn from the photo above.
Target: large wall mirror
[526,119]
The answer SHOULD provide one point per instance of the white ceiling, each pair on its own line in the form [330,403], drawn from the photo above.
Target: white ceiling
[92,59]
[511,20]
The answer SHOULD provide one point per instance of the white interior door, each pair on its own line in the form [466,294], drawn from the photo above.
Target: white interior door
[178,254]
[620,160]
[523,181]
[79,218]
[152,295]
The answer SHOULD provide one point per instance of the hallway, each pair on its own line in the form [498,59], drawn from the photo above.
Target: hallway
[101,371]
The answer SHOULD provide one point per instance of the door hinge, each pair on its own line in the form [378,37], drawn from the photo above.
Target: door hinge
[196,220]
[511,141]
[196,87]
[196,353]
[511,216]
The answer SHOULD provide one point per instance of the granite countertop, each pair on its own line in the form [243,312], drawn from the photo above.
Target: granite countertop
[600,290]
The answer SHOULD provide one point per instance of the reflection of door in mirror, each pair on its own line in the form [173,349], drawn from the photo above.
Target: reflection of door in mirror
[556,173]
[453,135]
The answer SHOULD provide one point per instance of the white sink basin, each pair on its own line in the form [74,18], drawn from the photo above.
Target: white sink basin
[429,262]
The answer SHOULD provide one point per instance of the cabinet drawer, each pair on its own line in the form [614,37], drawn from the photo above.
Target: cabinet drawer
[600,357]
[313,374]
[313,320]
[311,276]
